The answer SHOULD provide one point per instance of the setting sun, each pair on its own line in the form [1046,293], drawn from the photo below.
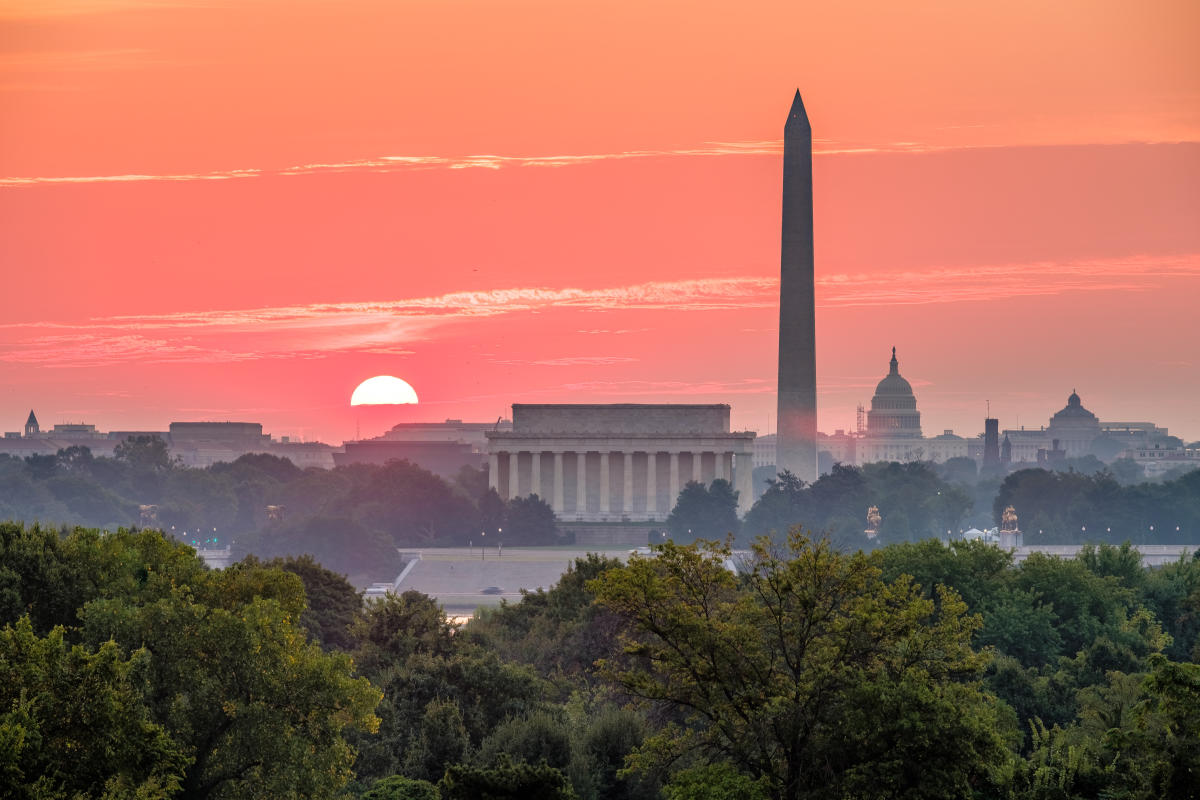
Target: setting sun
[383,390]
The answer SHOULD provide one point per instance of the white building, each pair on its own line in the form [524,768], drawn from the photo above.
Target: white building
[618,463]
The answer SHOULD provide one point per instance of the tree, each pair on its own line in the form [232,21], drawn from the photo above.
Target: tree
[781,507]
[73,723]
[221,664]
[41,467]
[535,738]
[144,453]
[809,671]
[704,513]
[530,521]
[442,740]
[338,543]
[506,781]
[714,782]
[332,606]
[397,787]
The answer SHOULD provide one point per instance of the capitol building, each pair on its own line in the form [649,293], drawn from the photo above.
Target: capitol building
[891,431]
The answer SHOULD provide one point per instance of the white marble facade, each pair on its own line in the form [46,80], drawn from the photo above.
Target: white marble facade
[614,463]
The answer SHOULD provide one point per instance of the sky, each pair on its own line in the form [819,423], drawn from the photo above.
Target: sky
[240,210]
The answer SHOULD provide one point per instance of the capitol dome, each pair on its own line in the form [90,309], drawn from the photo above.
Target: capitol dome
[1073,411]
[1074,428]
[894,407]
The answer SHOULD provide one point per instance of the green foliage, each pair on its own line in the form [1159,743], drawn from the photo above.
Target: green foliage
[1076,508]
[529,521]
[810,672]
[442,740]
[338,543]
[532,738]
[560,631]
[397,787]
[718,781]
[914,500]
[704,513]
[506,781]
[144,454]
[408,648]
[216,663]
[72,721]
[333,606]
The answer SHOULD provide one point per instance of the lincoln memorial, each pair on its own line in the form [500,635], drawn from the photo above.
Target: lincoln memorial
[617,463]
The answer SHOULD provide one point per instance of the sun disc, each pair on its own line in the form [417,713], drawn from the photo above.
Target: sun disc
[383,390]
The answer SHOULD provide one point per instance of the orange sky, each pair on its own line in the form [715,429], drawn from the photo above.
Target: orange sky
[239,211]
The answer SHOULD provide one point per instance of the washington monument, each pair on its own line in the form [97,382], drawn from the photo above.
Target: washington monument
[797,414]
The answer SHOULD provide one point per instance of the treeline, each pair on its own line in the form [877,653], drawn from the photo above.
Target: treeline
[1073,508]
[354,518]
[919,670]
[351,518]
[919,500]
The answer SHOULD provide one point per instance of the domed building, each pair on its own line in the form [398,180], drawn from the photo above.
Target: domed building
[1069,435]
[1074,427]
[893,423]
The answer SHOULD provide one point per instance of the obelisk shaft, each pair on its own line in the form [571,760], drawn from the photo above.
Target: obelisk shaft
[797,414]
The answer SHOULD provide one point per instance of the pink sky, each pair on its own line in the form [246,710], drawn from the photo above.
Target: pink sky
[239,212]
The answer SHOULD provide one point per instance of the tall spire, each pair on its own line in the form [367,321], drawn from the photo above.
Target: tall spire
[895,364]
[797,116]
[796,446]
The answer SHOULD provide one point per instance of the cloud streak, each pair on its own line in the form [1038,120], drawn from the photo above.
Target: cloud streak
[395,327]
[406,163]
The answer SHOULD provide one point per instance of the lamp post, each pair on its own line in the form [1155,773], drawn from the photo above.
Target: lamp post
[499,543]
[482,546]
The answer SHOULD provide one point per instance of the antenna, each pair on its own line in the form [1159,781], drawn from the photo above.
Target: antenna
[989,408]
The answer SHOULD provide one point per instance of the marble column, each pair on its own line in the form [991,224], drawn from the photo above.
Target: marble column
[559,507]
[581,492]
[651,484]
[494,471]
[627,495]
[514,476]
[674,487]
[536,475]
[697,464]
[718,466]
[605,497]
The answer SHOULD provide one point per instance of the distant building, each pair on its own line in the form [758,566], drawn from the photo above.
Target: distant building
[443,448]
[841,446]
[991,443]
[618,463]
[439,457]
[473,434]
[893,423]
[31,425]
[764,450]
[945,446]
[1072,430]
[202,444]
[1156,460]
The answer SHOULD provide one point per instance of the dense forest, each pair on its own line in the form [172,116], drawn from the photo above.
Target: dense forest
[918,670]
[353,518]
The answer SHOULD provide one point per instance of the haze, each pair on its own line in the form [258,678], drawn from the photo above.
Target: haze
[209,213]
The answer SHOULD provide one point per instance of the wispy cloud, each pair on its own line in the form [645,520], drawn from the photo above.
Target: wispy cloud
[395,327]
[319,329]
[403,163]
[1028,279]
